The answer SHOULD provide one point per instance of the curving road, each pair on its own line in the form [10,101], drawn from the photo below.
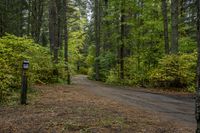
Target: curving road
[169,107]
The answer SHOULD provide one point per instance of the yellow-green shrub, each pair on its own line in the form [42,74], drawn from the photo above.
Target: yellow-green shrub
[175,71]
[13,50]
[171,71]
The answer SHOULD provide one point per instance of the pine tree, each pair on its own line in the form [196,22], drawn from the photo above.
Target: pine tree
[97,39]
[174,26]
[165,22]
[198,70]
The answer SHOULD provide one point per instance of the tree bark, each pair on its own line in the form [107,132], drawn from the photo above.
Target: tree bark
[97,39]
[122,40]
[106,3]
[21,23]
[53,29]
[36,18]
[1,24]
[197,109]
[60,26]
[106,45]
[174,17]
[29,17]
[165,22]
[66,42]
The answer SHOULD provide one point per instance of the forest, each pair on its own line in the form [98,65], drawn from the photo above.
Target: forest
[121,43]
[148,43]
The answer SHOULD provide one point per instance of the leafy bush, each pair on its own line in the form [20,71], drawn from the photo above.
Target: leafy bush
[113,77]
[135,73]
[13,50]
[107,61]
[175,71]
[171,71]
[90,59]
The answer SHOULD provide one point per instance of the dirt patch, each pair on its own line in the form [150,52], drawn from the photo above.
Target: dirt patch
[60,108]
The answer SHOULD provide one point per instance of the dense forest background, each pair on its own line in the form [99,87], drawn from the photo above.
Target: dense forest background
[148,43]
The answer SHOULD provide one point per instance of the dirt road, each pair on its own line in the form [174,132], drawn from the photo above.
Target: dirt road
[170,107]
[89,106]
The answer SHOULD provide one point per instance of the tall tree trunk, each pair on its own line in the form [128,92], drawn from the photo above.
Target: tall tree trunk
[106,3]
[174,17]
[165,22]
[36,18]
[51,28]
[53,24]
[1,24]
[182,8]
[21,23]
[66,41]
[197,109]
[29,17]
[106,25]
[60,27]
[97,39]
[122,40]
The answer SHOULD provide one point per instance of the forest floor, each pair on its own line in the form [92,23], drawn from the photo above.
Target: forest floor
[88,106]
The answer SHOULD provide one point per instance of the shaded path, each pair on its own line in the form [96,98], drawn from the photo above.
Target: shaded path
[179,109]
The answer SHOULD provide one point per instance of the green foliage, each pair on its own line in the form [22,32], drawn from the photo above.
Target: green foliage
[135,73]
[13,50]
[171,71]
[188,44]
[175,71]
[90,61]
[76,40]
[107,61]
[145,60]
[113,77]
